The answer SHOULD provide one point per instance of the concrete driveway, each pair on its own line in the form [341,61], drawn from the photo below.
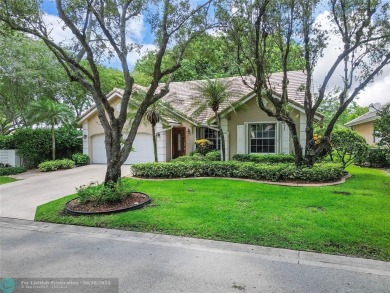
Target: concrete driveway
[21,198]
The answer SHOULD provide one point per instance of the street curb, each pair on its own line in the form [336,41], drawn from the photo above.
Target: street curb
[360,265]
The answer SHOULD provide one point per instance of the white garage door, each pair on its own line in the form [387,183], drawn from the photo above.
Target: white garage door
[143,149]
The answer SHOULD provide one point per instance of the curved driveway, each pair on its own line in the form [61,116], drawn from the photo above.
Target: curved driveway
[21,198]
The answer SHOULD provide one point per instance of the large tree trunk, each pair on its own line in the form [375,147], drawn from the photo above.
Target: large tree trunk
[113,152]
[298,154]
[154,143]
[53,143]
[222,136]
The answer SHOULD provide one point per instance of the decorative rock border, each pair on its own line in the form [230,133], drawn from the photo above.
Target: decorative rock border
[133,207]
[291,184]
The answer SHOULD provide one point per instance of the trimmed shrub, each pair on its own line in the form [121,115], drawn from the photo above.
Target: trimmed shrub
[80,159]
[12,171]
[213,156]
[348,145]
[375,157]
[323,172]
[7,142]
[56,165]
[185,159]
[269,159]
[203,146]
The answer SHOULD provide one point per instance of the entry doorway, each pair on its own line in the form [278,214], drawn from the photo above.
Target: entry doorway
[178,142]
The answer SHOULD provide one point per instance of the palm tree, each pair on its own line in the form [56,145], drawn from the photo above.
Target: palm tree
[212,94]
[50,113]
[159,111]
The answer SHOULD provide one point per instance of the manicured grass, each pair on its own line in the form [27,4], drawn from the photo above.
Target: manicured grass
[303,218]
[4,180]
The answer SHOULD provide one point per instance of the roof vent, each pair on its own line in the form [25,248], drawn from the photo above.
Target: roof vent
[374,107]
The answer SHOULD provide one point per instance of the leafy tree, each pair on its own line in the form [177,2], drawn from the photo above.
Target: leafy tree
[362,27]
[51,113]
[101,29]
[210,57]
[348,146]
[330,105]
[212,94]
[382,125]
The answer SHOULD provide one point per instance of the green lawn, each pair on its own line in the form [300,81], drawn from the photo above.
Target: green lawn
[304,218]
[4,180]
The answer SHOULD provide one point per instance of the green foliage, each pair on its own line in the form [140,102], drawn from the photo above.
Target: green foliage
[376,157]
[330,105]
[80,159]
[348,145]
[56,165]
[210,57]
[269,159]
[213,156]
[101,194]
[318,173]
[382,126]
[7,142]
[12,171]
[34,145]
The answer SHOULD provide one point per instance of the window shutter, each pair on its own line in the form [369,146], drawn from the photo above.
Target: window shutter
[285,147]
[240,139]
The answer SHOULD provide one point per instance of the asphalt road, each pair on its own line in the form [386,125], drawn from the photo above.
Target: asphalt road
[20,199]
[145,262]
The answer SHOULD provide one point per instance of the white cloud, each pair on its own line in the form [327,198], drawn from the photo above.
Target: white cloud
[61,34]
[377,91]
[57,29]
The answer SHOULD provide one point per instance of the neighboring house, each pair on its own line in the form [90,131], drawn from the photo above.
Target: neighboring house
[247,129]
[364,124]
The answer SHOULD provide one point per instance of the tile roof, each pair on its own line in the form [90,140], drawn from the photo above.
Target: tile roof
[182,94]
[367,117]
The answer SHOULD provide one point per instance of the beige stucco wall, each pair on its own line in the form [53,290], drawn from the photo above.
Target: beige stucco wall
[366,130]
[252,113]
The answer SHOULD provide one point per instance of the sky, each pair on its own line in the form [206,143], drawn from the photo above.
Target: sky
[376,92]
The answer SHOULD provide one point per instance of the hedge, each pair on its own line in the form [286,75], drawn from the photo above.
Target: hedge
[12,171]
[56,165]
[34,145]
[270,159]
[324,172]
[376,157]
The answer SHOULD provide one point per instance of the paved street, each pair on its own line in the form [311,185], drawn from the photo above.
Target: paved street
[146,262]
[20,199]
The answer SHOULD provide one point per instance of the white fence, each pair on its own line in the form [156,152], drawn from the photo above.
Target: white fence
[10,157]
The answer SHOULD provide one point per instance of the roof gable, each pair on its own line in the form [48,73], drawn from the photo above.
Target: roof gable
[182,94]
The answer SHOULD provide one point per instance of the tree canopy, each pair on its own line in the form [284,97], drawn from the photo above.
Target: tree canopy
[212,56]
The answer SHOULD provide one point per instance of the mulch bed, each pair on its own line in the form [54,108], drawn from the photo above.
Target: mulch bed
[133,201]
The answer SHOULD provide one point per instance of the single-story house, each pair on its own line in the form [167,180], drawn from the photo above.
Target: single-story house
[364,124]
[247,129]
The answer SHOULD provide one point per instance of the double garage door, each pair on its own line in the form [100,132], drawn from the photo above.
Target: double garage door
[143,149]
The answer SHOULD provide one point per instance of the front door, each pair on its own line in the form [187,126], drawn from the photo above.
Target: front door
[178,142]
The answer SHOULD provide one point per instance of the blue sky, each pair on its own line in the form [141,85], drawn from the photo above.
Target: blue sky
[375,92]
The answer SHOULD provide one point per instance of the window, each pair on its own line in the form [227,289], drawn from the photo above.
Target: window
[211,135]
[262,138]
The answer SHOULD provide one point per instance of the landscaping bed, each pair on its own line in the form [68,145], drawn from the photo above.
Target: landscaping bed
[135,200]
[348,219]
